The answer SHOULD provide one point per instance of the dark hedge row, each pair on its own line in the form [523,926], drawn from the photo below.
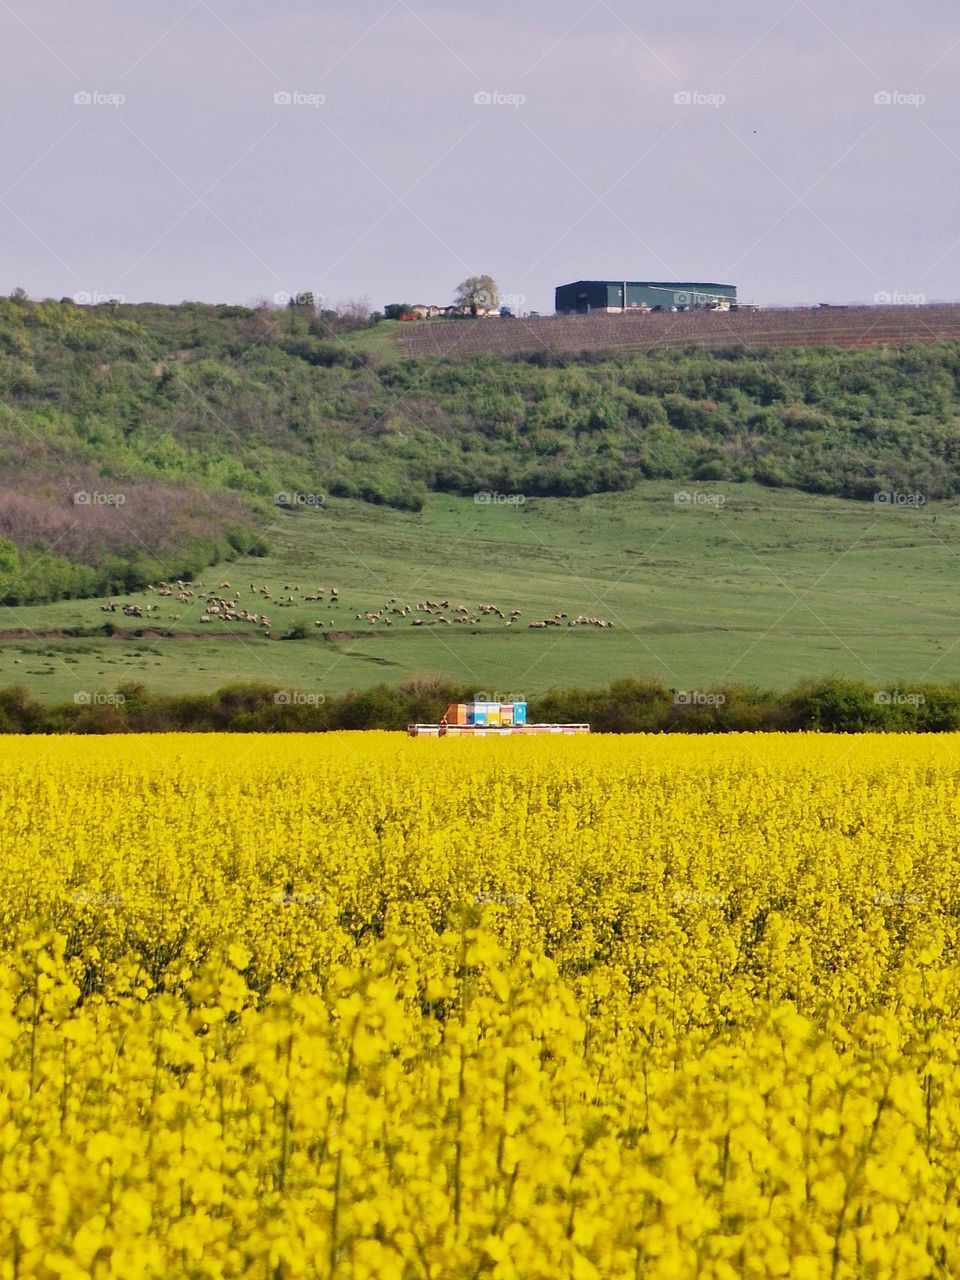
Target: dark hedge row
[627,706]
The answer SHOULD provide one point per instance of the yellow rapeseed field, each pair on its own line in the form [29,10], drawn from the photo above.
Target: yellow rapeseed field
[364,1006]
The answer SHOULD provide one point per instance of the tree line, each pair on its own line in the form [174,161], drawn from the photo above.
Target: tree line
[831,705]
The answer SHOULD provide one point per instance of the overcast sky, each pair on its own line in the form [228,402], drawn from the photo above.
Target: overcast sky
[734,142]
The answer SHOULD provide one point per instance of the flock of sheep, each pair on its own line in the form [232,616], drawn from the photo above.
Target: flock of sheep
[220,608]
[581,620]
[442,613]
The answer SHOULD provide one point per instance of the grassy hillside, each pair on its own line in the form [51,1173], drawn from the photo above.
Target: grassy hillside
[741,584]
[179,425]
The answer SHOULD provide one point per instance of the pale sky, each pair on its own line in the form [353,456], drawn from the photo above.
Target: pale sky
[776,168]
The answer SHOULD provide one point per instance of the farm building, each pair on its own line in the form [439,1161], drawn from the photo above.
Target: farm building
[615,296]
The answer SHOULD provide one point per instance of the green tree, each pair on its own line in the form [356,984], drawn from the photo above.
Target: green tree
[477,293]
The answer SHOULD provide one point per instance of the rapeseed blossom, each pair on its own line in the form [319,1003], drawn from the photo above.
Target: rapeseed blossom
[365,1006]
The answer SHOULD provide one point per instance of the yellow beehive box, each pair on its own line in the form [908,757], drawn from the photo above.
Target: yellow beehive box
[493,713]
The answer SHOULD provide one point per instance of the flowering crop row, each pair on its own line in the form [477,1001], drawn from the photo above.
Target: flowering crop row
[365,1006]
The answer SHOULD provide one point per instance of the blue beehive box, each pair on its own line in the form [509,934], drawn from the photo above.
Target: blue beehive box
[480,713]
[519,713]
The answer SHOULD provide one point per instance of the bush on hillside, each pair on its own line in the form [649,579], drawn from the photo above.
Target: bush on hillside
[209,411]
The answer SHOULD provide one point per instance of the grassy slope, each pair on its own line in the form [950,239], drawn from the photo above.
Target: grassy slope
[772,587]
